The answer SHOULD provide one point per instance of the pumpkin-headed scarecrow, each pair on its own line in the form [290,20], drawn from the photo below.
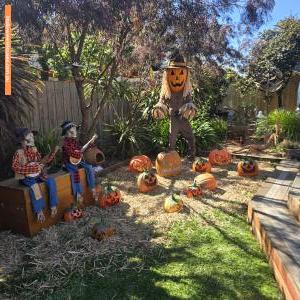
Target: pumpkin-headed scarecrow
[73,159]
[176,102]
[28,167]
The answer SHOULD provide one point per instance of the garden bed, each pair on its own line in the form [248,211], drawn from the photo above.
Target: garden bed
[205,251]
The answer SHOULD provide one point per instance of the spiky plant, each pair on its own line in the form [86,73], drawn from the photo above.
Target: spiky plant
[14,109]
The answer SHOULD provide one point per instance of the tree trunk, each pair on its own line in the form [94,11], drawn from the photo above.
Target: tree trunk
[279,95]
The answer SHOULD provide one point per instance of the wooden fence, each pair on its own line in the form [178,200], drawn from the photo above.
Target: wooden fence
[58,101]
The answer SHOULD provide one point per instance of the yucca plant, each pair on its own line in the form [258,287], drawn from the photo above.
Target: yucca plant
[14,109]
[289,121]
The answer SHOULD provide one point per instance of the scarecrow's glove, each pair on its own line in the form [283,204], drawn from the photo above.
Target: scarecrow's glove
[41,217]
[188,110]
[160,111]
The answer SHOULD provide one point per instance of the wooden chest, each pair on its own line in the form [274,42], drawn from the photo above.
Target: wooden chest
[15,205]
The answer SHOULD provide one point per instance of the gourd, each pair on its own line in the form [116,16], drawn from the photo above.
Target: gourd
[206,181]
[168,164]
[146,181]
[140,163]
[173,203]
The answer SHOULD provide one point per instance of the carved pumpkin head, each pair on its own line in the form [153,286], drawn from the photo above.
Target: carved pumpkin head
[111,196]
[193,191]
[247,168]
[146,182]
[177,78]
[219,157]
[140,163]
[72,213]
[201,165]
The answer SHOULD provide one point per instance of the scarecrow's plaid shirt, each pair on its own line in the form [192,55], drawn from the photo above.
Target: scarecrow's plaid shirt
[31,155]
[70,148]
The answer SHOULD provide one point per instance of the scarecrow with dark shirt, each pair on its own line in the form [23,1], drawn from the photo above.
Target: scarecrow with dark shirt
[28,166]
[176,102]
[72,159]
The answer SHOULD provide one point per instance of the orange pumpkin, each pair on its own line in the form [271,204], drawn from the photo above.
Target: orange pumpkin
[100,232]
[219,157]
[111,196]
[140,163]
[206,181]
[201,165]
[177,78]
[247,168]
[146,181]
[72,213]
[193,191]
[168,164]
[173,203]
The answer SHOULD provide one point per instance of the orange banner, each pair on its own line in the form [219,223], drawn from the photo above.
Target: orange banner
[7,24]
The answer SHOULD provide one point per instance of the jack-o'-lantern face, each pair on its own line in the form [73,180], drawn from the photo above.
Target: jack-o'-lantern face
[248,166]
[177,79]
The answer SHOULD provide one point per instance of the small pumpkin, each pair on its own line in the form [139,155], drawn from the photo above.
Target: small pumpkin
[219,157]
[193,191]
[111,196]
[146,181]
[177,78]
[72,213]
[247,168]
[140,163]
[206,181]
[201,165]
[100,232]
[168,164]
[173,203]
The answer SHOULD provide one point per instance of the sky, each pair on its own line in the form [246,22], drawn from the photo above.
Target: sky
[282,9]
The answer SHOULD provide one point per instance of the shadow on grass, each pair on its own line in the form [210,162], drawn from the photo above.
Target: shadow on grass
[220,260]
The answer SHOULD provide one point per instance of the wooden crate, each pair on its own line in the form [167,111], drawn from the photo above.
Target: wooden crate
[16,210]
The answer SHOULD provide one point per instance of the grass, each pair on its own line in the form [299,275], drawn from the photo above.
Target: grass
[205,252]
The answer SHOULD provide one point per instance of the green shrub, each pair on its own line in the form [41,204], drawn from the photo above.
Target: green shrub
[220,128]
[129,137]
[263,128]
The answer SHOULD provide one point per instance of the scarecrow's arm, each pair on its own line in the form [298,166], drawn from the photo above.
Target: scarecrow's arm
[160,110]
[188,110]
[24,169]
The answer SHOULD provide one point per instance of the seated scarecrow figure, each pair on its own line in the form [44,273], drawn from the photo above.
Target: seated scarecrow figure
[176,102]
[28,167]
[73,158]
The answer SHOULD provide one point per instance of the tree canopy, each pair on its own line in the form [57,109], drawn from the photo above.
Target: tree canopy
[274,57]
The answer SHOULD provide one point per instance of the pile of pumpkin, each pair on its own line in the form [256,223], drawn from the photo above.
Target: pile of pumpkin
[169,164]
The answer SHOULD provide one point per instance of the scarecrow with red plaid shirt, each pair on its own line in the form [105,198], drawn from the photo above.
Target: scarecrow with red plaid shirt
[73,159]
[28,167]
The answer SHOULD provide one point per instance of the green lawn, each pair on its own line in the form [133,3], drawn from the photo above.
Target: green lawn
[201,262]
[209,253]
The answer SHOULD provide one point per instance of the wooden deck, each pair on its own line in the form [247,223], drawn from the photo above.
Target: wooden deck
[276,229]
